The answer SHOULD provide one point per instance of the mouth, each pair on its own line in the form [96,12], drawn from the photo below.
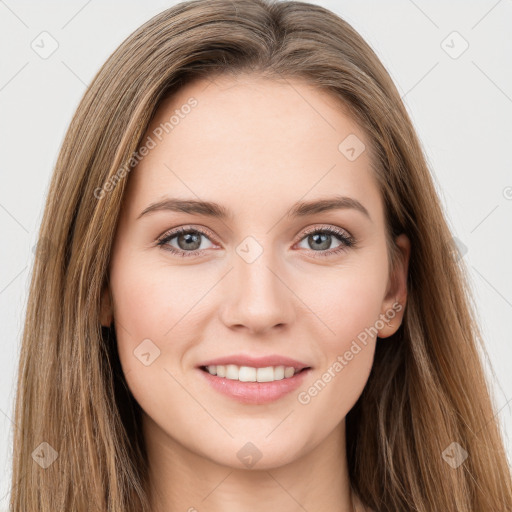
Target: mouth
[254,386]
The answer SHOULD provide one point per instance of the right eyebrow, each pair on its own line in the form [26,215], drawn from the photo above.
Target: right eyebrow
[192,206]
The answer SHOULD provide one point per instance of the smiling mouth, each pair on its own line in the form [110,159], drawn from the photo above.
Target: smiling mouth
[254,386]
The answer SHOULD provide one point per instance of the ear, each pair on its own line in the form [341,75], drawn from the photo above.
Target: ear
[393,306]
[106,311]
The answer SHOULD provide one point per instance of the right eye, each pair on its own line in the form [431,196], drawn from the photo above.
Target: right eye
[188,241]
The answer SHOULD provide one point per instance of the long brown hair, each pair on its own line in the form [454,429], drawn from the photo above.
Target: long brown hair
[78,444]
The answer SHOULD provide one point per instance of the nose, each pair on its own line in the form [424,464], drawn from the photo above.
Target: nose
[258,298]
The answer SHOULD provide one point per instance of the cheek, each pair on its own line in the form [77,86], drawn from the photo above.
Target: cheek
[150,306]
[347,357]
[150,299]
[349,306]
[348,301]
[355,307]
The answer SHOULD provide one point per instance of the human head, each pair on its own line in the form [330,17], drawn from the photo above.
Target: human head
[289,41]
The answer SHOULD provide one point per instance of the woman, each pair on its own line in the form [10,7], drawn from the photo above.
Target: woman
[246,296]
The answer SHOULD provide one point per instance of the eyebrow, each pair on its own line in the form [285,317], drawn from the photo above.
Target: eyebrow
[215,210]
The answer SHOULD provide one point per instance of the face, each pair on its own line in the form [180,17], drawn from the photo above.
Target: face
[268,278]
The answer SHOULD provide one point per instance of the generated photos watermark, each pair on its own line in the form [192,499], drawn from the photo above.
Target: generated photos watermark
[149,144]
[305,397]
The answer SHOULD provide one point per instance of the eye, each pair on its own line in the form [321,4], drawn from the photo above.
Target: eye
[319,240]
[188,241]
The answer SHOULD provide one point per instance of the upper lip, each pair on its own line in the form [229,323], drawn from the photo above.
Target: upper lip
[256,362]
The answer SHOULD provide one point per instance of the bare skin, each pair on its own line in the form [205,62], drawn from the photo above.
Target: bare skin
[255,147]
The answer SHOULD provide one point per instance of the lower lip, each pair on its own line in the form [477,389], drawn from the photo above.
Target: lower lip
[255,392]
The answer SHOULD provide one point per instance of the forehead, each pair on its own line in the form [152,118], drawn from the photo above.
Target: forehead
[250,144]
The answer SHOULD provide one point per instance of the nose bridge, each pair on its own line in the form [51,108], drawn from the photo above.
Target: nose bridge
[259,299]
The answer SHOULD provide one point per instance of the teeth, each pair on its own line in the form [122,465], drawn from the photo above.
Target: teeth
[249,374]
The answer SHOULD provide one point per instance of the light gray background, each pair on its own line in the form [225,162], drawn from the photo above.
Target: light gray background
[461,108]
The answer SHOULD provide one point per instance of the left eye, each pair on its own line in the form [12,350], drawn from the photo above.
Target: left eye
[321,239]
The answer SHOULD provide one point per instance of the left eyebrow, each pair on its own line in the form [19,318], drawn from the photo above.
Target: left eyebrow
[212,209]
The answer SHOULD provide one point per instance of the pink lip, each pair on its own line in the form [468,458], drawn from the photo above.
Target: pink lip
[256,362]
[255,392]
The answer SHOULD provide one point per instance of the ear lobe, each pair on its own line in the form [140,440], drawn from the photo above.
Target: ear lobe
[106,313]
[394,303]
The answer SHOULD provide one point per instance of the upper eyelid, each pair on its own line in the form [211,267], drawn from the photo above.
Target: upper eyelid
[176,231]
[326,227]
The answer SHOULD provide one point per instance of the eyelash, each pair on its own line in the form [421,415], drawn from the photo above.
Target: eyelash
[346,241]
